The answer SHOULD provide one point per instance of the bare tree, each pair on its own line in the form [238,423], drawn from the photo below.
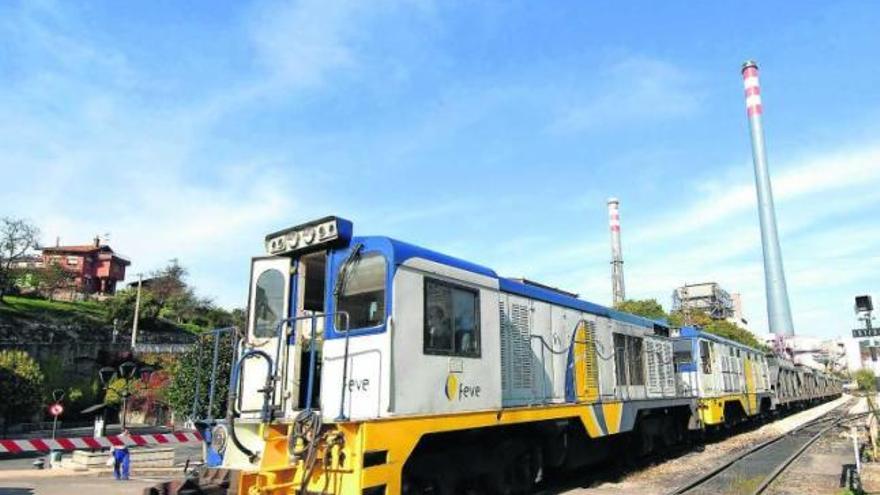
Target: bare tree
[17,237]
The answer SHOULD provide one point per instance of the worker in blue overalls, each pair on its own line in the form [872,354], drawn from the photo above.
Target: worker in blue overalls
[121,458]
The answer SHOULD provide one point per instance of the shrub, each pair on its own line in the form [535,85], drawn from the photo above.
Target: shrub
[195,367]
[21,386]
[865,380]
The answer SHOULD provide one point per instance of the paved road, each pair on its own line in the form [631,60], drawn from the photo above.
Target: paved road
[65,485]
[17,477]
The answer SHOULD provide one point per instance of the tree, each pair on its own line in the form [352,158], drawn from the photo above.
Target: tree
[694,317]
[721,328]
[17,237]
[193,368]
[53,278]
[21,385]
[120,307]
[168,285]
[865,380]
[734,332]
[648,308]
[167,298]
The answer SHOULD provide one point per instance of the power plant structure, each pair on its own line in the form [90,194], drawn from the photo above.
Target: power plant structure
[707,297]
[618,291]
[778,310]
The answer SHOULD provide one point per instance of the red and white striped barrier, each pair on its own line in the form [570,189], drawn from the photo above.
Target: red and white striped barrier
[73,443]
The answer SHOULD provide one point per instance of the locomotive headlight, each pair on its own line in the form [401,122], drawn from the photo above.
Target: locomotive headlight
[308,235]
[311,236]
[276,245]
[219,435]
[292,239]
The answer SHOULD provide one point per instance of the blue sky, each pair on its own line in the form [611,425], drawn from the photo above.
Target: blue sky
[493,131]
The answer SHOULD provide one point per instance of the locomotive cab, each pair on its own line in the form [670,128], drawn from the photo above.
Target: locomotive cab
[314,303]
[286,313]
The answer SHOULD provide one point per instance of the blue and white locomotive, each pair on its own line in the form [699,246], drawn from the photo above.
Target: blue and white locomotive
[373,366]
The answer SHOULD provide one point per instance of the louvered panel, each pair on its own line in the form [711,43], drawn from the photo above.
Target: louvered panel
[591,368]
[653,368]
[669,369]
[505,347]
[521,350]
[725,373]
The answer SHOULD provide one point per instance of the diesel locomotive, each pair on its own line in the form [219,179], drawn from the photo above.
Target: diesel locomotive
[372,366]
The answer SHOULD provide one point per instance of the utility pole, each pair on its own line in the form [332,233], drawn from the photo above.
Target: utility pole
[137,311]
[686,307]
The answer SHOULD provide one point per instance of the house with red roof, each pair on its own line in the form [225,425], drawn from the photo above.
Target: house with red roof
[95,267]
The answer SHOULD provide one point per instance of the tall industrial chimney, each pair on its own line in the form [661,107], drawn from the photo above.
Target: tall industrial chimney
[618,291]
[778,311]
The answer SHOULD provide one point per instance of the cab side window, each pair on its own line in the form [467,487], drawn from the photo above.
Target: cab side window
[268,303]
[706,357]
[452,319]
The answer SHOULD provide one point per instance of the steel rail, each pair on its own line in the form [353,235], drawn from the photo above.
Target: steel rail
[761,446]
[794,456]
[787,462]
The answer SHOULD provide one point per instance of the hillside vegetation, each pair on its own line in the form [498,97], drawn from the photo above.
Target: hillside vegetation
[168,305]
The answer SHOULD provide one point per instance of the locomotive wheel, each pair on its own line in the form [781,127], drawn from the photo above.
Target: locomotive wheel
[520,468]
[432,486]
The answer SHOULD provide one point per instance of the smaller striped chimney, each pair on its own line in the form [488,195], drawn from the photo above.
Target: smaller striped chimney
[618,293]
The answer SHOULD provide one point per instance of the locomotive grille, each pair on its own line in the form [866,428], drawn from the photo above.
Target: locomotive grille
[505,347]
[653,367]
[591,369]
[521,347]
[668,367]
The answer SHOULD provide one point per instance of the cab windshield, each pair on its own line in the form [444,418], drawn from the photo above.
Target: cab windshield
[362,295]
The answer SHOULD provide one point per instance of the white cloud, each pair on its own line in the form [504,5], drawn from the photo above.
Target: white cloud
[635,89]
[302,43]
[820,172]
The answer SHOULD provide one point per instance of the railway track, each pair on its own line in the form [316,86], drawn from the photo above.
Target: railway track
[753,472]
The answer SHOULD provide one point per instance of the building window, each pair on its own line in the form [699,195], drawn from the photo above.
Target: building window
[452,319]
[72,260]
[363,292]
[628,360]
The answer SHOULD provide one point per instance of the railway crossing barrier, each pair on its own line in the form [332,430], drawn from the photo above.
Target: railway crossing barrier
[74,443]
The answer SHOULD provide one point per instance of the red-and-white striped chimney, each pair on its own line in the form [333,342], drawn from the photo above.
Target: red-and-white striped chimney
[618,293]
[778,310]
[752,88]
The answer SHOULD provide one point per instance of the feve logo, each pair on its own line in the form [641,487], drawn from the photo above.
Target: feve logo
[451,386]
[455,390]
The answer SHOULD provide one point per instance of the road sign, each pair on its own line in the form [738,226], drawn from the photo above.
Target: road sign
[865,332]
[56,409]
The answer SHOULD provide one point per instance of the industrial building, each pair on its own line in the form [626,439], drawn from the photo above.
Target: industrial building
[712,299]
